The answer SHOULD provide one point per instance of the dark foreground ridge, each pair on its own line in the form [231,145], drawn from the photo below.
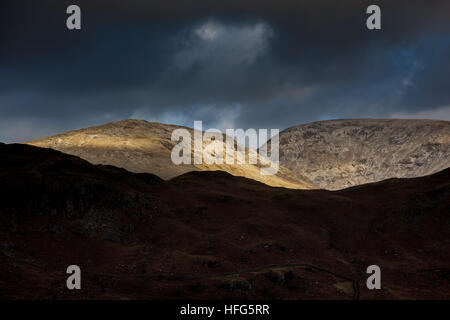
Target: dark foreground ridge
[210,235]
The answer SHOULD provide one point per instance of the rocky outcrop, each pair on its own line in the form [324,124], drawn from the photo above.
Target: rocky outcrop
[337,154]
[66,193]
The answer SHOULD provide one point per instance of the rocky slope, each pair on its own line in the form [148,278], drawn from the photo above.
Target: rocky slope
[211,235]
[143,147]
[341,153]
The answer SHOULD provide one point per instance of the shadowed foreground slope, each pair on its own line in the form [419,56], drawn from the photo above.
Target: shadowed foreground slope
[212,235]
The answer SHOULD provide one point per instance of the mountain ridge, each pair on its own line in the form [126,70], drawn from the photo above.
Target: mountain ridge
[341,153]
[142,146]
[330,154]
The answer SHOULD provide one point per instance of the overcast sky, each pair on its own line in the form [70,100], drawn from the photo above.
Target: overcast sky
[232,64]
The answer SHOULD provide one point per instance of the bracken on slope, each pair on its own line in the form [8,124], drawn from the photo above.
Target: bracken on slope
[211,235]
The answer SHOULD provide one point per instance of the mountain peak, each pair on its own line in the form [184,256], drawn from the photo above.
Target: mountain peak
[145,147]
[336,154]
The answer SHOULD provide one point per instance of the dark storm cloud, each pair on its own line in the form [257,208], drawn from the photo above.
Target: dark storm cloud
[243,63]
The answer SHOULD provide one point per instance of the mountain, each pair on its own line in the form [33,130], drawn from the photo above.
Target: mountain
[337,154]
[211,235]
[145,147]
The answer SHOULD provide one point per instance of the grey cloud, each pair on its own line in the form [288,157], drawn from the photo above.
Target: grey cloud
[241,63]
